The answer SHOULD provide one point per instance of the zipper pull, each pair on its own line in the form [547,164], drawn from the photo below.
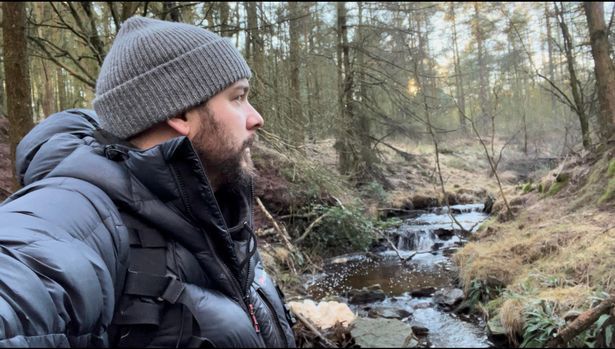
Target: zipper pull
[254,321]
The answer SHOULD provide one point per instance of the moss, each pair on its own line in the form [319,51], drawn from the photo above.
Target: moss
[611,169]
[556,187]
[527,187]
[609,194]
[494,305]
[541,189]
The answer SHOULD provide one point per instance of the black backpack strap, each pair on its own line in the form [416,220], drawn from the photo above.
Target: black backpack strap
[138,313]
[147,289]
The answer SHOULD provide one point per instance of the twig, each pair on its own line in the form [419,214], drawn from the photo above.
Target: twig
[311,226]
[281,231]
[308,324]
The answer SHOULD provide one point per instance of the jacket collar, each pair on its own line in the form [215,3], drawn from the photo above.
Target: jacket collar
[173,172]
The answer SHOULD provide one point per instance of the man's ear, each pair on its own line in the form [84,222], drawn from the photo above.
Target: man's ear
[180,124]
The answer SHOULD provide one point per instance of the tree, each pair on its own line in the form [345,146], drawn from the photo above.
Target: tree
[296,110]
[344,80]
[603,66]
[459,93]
[479,36]
[575,84]
[17,75]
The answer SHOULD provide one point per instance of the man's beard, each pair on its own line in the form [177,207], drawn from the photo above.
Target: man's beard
[233,167]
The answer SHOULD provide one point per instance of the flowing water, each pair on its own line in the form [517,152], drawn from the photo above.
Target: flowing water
[427,234]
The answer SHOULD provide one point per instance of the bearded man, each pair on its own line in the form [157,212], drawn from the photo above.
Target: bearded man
[134,226]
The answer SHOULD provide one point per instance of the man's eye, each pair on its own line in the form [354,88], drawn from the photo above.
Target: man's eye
[239,98]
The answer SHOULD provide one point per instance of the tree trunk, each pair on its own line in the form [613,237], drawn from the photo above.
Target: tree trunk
[482,69]
[362,125]
[225,28]
[458,77]
[574,82]
[550,53]
[603,66]
[315,89]
[296,110]
[62,98]
[18,98]
[344,75]
[170,11]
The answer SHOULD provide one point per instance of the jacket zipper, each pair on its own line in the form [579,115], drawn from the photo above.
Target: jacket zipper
[274,315]
[246,305]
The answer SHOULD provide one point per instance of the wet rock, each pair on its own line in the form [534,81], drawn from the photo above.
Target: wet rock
[388,313]
[496,331]
[423,292]
[423,305]
[374,287]
[489,204]
[420,331]
[422,202]
[366,295]
[379,245]
[373,256]
[449,251]
[444,234]
[448,297]
[383,333]
[436,246]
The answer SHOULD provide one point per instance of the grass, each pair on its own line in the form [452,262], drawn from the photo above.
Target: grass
[551,258]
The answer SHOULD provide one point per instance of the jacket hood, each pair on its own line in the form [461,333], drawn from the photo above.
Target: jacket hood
[51,141]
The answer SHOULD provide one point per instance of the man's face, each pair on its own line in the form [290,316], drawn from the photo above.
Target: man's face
[225,131]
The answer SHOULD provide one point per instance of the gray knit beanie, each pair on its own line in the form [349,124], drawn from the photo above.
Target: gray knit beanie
[155,70]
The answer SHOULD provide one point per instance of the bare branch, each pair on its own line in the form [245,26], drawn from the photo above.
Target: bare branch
[560,92]
[87,79]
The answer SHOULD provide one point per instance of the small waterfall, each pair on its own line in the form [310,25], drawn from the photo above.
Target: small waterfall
[425,239]
[458,209]
[416,240]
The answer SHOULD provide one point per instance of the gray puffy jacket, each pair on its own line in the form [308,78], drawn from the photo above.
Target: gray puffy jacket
[66,249]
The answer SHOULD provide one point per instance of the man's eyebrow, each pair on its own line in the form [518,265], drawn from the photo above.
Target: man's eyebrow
[244,88]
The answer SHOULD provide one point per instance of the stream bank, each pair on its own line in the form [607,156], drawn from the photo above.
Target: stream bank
[420,291]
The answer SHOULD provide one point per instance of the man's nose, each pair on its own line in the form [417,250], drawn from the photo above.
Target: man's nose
[255,120]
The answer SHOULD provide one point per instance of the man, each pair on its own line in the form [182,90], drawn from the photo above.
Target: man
[134,227]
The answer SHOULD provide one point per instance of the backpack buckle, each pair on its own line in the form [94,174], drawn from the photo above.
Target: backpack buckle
[173,291]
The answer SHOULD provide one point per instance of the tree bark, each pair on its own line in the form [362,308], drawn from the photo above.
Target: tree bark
[296,110]
[343,143]
[580,324]
[603,66]
[18,98]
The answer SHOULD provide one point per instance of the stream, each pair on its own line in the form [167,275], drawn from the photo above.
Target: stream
[430,235]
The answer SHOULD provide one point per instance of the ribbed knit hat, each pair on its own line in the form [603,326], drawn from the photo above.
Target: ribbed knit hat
[156,70]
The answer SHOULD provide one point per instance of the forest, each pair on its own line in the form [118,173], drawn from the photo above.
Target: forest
[440,173]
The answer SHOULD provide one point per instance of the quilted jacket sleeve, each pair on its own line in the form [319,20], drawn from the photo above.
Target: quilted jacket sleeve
[60,255]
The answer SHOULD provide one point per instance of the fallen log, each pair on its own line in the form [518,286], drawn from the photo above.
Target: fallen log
[581,323]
